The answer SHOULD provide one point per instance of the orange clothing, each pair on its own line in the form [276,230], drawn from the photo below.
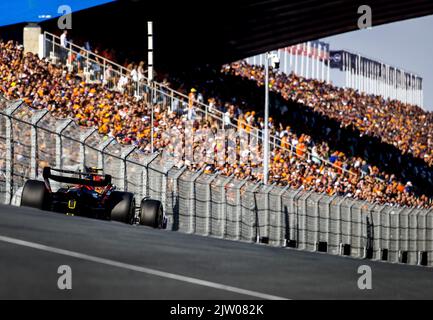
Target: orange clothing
[191,98]
[284,143]
[400,188]
[300,149]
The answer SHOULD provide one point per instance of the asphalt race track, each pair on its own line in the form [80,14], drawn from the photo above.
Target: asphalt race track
[111,260]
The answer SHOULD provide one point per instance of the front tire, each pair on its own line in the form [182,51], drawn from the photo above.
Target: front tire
[35,195]
[122,206]
[151,213]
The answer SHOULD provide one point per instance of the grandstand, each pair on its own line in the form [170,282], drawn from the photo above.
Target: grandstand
[351,172]
[380,117]
[106,85]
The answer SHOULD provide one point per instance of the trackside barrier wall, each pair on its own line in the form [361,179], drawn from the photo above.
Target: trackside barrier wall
[249,212]
[212,205]
[3,106]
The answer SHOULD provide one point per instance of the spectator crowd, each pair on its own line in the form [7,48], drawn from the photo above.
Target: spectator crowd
[116,109]
[407,127]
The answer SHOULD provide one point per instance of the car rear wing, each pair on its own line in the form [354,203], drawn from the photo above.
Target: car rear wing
[104,181]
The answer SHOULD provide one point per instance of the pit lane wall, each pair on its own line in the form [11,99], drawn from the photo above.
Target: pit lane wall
[212,205]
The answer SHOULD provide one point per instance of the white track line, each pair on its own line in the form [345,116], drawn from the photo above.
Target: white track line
[140,269]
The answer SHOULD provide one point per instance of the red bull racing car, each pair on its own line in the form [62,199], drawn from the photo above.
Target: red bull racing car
[90,194]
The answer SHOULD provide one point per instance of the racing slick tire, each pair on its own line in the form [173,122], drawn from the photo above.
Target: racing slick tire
[35,195]
[151,213]
[122,206]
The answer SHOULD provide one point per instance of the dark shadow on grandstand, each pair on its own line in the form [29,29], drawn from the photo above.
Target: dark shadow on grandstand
[303,120]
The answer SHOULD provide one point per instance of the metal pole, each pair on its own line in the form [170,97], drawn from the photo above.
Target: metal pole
[301,73]
[422,96]
[317,57]
[359,74]
[290,68]
[327,70]
[151,118]
[346,73]
[322,65]
[266,132]
[150,75]
[150,50]
[411,88]
[349,70]
[307,62]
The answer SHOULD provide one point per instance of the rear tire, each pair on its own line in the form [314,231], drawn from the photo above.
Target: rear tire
[35,195]
[151,213]
[122,206]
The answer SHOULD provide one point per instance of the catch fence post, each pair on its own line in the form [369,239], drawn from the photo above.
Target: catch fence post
[146,174]
[34,142]
[124,168]
[192,200]
[421,234]
[101,152]
[164,185]
[175,198]
[394,247]
[223,207]
[83,140]
[377,239]
[295,214]
[255,226]
[304,230]
[59,142]
[9,111]
[267,222]
[340,227]
[281,239]
[429,237]
[239,210]
[208,207]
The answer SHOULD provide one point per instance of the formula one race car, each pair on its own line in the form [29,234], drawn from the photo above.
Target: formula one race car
[90,194]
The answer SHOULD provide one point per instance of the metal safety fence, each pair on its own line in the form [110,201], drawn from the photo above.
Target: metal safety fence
[212,204]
